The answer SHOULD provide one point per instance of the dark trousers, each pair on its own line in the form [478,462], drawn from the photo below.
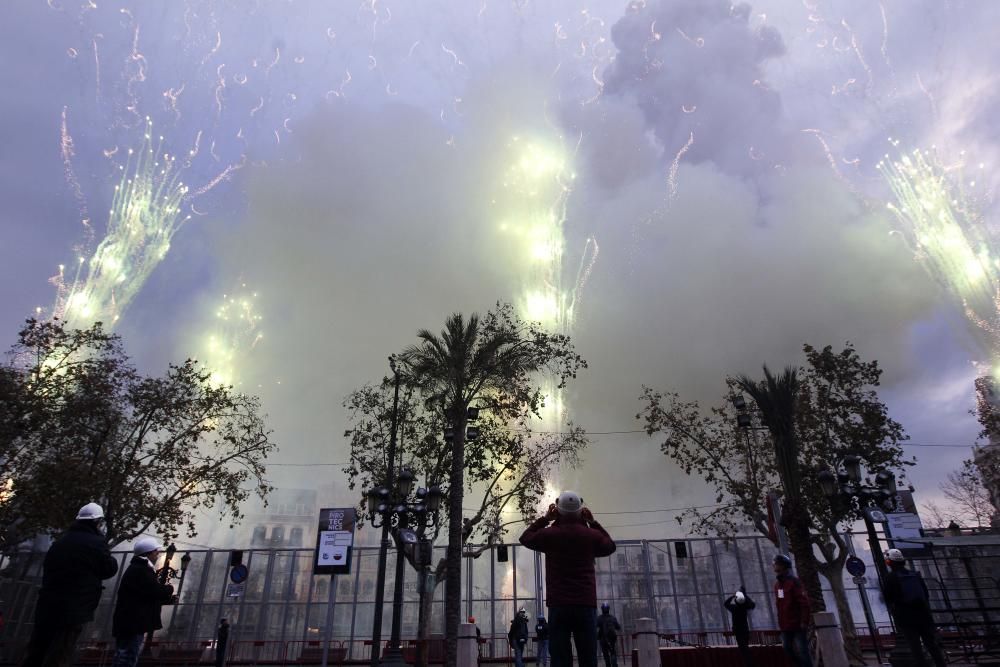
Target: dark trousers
[743,642]
[610,650]
[127,650]
[51,647]
[796,644]
[922,632]
[578,623]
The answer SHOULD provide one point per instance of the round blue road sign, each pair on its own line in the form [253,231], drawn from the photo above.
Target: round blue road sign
[855,566]
[238,574]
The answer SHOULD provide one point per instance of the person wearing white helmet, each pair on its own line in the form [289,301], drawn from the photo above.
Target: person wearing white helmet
[739,605]
[72,572]
[140,597]
[570,544]
[908,600]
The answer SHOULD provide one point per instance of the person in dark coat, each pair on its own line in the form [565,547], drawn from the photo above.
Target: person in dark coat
[907,597]
[140,596]
[221,639]
[739,605]
[518,636]
[570,546]
[72,572]
[542,637]
[608,628]
[792,603]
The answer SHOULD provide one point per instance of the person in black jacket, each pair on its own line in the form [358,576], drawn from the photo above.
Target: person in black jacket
[140,596]
[739,604]
[907,597]
[542,637]
[608,628]
[72,572]
[518,636]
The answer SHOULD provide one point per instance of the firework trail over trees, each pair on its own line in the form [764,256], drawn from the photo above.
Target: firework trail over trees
[357,164]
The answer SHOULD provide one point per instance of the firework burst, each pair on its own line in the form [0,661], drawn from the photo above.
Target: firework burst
[145,214]
[940,208]
[235,332]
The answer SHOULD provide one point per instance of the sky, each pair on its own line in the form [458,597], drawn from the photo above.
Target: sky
[689,188]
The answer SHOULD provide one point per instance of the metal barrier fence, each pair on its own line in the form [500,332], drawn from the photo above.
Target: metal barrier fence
[285,612]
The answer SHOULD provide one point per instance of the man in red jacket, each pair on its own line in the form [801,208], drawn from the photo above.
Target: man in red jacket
[792,603]
[570,545]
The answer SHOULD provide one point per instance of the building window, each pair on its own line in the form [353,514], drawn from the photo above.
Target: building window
[259,536]
[277,535]
[661,561]
[296,539]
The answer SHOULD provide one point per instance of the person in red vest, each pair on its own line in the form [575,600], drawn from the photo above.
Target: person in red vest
[792,603]
[570,544]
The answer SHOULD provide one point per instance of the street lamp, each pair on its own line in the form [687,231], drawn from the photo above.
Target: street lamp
[744,420]
[378,503]
[404,513]
[846,489]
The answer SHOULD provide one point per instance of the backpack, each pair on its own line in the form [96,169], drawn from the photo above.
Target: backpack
[911,588]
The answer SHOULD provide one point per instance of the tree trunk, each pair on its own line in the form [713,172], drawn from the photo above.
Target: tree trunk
[797,522]
[424,620]
[834,573]
[453,554]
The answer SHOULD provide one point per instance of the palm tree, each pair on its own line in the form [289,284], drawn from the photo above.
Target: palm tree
[776,397]
[489,362]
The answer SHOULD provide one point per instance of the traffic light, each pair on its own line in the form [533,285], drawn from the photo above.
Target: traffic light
[502,553]
[235,557]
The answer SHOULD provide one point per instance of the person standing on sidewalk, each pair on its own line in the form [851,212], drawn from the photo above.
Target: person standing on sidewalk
[518,636]
[792,603]
[140,597]
[907,597]
[571,539]
[608,628]
[739,605]
[221,639]
[72,572]
[542,637]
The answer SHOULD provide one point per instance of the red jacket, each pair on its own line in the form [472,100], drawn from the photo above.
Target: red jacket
[570,546]
[792,602]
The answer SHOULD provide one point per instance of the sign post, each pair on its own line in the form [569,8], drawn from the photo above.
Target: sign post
[334,541]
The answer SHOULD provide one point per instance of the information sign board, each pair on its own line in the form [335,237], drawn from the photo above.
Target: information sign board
[334,540]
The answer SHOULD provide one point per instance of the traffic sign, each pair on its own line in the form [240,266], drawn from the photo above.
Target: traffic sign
[855,566]
[239,574]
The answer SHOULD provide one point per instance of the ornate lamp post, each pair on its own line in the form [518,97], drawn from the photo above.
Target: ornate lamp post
[408,514]
[846,487]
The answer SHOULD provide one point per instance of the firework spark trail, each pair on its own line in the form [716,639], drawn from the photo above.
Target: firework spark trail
[67,149]
[234,333]
[538,181]
[144,216]
[675,166]
[945,227]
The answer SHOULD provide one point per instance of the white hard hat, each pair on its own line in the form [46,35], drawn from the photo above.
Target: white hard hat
[895,555]
[90,512]
[740,598]
[144,545]
[569,502]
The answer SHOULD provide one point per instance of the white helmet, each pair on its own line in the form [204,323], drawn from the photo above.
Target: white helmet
[145,545]
[569,502]
[90,512]
[895,555]
[740,598]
